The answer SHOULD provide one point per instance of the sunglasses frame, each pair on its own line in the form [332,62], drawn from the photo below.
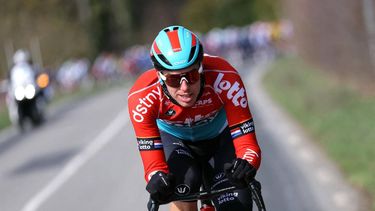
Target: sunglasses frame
[164,78]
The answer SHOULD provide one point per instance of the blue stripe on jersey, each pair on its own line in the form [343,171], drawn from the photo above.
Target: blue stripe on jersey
[199,132]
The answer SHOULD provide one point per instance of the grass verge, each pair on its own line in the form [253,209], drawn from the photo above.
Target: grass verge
[4,118]
[338,117]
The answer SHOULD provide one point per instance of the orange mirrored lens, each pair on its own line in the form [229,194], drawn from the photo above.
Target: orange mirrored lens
[175,79]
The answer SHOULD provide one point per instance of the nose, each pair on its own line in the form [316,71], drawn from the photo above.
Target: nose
[184,85]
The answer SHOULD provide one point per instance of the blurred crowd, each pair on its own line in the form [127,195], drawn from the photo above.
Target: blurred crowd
[74,73]
[254,41]
[260,40]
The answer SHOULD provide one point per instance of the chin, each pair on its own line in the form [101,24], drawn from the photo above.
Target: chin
[186,105]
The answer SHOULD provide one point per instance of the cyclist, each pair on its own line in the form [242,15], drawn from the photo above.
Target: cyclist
[190,109]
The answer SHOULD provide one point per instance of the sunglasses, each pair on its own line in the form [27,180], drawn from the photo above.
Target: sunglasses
[175,80]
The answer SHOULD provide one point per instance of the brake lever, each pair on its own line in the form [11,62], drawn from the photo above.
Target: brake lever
[256,194]
[152,205]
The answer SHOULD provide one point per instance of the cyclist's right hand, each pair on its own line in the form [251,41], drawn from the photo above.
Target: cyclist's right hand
[160,187]
[240,172]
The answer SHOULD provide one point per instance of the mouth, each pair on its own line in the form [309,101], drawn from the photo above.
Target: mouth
[186,98]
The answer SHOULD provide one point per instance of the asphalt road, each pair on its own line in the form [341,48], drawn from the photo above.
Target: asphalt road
[85,158]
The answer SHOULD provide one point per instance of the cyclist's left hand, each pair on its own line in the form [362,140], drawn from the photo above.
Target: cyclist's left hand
[240,172]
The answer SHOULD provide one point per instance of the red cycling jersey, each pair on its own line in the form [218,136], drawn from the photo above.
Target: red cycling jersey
[223,95]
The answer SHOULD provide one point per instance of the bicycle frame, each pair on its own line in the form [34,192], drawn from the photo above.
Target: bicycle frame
[254,186]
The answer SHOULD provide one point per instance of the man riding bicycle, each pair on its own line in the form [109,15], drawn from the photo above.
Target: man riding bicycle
[189,110]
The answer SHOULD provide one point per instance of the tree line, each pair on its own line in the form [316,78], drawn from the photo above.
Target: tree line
[60,29]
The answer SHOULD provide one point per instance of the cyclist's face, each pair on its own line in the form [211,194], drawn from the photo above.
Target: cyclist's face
[183,85]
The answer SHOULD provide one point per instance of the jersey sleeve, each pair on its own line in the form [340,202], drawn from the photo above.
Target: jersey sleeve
[143,111]
[229,86]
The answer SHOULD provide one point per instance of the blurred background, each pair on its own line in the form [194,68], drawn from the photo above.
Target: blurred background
[320,58]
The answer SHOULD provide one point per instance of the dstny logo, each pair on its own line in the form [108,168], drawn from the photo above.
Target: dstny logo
[145,104]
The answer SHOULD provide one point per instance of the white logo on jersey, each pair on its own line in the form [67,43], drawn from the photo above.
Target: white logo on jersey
[144,104]
[182,189]
[227,197]
[200,119]
[250,155]
[235,93]
[219,176]
[203,102]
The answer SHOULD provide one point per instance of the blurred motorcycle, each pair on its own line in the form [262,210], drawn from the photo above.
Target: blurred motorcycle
[28,102]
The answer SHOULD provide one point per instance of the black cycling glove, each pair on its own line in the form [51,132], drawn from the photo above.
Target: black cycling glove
[160,187]
[240,173]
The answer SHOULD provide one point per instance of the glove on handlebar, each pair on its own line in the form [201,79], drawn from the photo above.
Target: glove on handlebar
[160,187]
[240,172]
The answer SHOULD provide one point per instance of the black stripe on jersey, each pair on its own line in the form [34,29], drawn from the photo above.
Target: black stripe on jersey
[245,127]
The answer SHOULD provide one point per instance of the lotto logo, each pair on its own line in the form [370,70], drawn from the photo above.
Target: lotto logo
[235,92]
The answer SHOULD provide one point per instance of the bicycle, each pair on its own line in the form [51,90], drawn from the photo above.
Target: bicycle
[254,186]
